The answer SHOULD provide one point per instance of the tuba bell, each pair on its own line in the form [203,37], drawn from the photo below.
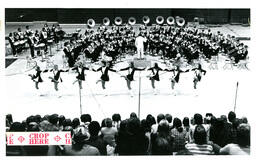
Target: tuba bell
[106,21]
[170,20]
[90,23]
[146,20]
[118,20]
[159,20]
[132,21]
[180,21]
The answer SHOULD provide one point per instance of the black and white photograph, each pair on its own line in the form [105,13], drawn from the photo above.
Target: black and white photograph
[130,81]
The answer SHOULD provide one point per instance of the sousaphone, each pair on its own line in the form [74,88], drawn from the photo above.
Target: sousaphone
[106,21]
[118,21]
[170,20]
[159,20]
[180,21]
[146,20]
[91,23]
[132,21]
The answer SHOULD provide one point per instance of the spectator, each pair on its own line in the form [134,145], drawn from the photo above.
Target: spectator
[95,140]
[61,120]
[243,142]
[198,120]
[162,141]
[179,134]
[168,117]
[122,143]
[133,115]
[79,147]
[86,119]
[116,120]
[155,126]
[200,146]
[75,124]
[185,123]
[218,133]
[136,139]
[109,132]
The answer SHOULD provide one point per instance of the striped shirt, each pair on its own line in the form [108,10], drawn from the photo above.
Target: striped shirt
[196,149]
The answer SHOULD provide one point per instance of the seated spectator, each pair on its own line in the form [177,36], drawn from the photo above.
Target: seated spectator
[75,124]
[243,142]
[200,146]
[136,141]
[219,133]
[162,141]
[95,140]
[179,134]
[198,120]
[60,123]
[109,132]
[133,115]
[85,119]
[15,150]
[185,123]
[150,120]
[78,147]
[116,120]
[35,150]
[168,117]
[155,126]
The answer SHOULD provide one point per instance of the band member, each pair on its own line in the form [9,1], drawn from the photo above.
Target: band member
[176,75]
[56,76]
[68,54]
[37,77]
[104,74]
[43,38]
[11,41]
[129,78]
[139,43]
[31,43]
[198,74]
[155,76]
[80,70]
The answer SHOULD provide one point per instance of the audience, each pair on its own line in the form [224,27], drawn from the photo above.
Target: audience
[224,135]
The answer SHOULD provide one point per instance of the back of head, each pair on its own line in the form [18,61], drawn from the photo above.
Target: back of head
[133,126]
[86,118]
[177,124]
[185,121]
[75,122]
[108,122]
[231,116]
[67,122]
[151,120]
[168,117]
[163,126]
[162,146]
[94,128]
[198,119]
[17,127]
[116,117]
[200,135]
[133,115]
[243,135]
[54,118]
[160,117]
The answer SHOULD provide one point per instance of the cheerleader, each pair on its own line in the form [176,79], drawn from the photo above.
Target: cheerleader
[80,69]
[104,74]
[56,76]
[176,75]
[37,77]
[129,78]
[198,74]
[155,76]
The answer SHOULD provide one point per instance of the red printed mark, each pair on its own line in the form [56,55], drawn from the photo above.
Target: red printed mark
[57,138]
[21,139]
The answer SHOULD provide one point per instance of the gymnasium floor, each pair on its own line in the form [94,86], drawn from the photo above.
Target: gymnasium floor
[215,93]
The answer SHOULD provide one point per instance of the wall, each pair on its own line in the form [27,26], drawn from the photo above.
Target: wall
[82,15]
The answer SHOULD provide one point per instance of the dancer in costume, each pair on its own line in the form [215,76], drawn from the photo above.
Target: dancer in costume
[198,74]
[80,70]
[104,74]
[37,76]
[56,76]
[129,78]
[155,76]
